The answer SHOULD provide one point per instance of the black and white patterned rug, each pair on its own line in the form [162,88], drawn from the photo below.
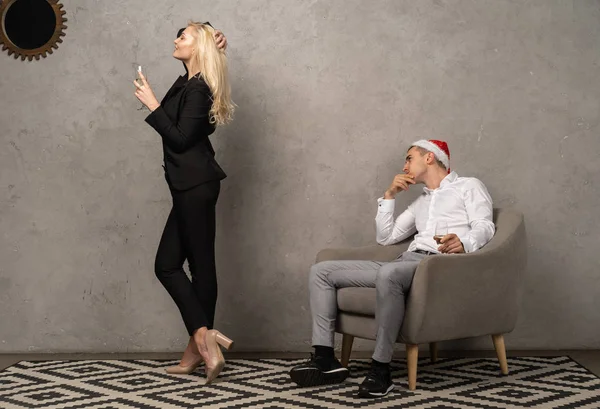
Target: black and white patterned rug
[534,382]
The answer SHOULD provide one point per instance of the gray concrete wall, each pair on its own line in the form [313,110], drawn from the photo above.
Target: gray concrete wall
[329,94]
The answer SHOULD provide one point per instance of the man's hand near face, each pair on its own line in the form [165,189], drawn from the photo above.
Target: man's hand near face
[400,183]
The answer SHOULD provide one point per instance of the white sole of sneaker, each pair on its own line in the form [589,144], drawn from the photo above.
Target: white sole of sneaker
[306,377]
[332,371]
[376,394]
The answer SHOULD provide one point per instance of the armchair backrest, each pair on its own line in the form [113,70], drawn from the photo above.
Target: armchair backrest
[510,232]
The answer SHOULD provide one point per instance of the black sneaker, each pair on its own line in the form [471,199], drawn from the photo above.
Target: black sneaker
[378,383]
[319,370]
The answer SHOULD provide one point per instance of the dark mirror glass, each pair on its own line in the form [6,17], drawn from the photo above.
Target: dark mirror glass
[29,24]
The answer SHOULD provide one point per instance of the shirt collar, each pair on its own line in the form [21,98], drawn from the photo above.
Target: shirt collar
[450,178]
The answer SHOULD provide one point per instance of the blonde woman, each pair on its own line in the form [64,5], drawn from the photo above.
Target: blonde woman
[196,104]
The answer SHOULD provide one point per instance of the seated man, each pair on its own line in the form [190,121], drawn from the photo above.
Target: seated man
[460,203]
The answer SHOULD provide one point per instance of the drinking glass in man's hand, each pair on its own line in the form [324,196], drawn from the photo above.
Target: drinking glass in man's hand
[441,229]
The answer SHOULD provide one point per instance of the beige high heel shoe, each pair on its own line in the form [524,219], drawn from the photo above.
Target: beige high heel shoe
[213,339]
[184,370]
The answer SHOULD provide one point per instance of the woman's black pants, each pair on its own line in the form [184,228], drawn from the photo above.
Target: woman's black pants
[190,234]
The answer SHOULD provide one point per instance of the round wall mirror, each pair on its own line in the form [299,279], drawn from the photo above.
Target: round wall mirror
[31,28]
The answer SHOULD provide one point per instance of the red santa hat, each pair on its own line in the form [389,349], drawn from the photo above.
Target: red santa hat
[438,148]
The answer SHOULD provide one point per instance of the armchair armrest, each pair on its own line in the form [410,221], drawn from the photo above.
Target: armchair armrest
[467,295]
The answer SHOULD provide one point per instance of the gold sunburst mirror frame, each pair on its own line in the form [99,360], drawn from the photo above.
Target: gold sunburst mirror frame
[11,31]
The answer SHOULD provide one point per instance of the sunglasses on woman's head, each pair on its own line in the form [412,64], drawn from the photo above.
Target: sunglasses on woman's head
[182,29]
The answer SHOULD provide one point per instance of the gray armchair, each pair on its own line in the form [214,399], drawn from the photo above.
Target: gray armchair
[452,296]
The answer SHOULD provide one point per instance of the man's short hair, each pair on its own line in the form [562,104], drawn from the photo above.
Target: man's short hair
[423,151]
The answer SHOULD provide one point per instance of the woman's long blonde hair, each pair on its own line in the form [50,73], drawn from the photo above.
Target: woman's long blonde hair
[212,64]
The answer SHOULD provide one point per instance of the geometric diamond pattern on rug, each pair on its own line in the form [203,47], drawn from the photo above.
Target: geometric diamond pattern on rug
[107,403]
[209,397]
[344,396]
[85,369]
[48,396]
[237,370]
[577,378]
[484,367]
[274,382]
[533,382]
[11,381]
[588,403]
[514,395]
[138,382]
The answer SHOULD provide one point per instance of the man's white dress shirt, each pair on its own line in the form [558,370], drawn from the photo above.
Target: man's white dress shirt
[463,203]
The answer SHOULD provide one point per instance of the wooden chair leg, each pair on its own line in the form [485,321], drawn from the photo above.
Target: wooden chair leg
[412,357]
[433,351]
[347,341]
[500,352]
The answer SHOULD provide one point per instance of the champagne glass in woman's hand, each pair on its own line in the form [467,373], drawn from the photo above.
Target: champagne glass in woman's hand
[138,79]
[144,91]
